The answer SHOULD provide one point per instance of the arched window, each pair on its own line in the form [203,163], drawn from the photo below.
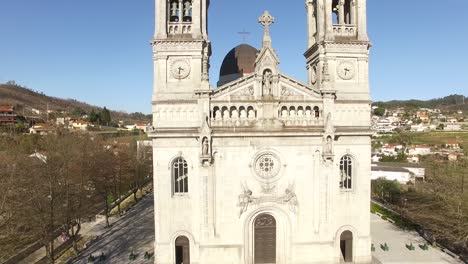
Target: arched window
[179,176]
[316,112]
[346,172]
[187,6]
[174,10]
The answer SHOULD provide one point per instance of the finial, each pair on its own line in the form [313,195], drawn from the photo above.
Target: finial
[266,20]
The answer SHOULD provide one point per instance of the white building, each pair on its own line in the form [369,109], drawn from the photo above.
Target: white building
[419,150]
[263,168]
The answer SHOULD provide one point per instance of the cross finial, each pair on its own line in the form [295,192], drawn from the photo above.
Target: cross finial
[244,34]
[266,20]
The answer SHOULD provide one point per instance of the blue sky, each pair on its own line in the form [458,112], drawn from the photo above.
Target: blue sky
[98,51]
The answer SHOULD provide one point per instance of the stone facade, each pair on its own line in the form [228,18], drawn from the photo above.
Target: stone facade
[263,169]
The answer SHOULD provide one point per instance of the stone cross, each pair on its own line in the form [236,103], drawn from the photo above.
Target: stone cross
[266,20]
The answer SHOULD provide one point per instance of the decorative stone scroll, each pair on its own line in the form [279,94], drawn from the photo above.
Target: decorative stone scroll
[246,198]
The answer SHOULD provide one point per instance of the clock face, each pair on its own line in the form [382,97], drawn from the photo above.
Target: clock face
[346,70]
[180,69]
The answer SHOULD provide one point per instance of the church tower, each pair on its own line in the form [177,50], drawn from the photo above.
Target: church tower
[338,47]
[181,49]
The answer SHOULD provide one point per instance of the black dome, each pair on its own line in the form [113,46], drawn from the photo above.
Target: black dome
[240,60]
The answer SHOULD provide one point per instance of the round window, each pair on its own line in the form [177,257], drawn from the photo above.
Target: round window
[267,165]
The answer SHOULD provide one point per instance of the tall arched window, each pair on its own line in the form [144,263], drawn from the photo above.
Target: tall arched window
[179,176]
[346,172]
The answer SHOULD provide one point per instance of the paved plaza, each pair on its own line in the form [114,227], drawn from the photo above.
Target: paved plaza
[384,232]
[135,231]
[132,232]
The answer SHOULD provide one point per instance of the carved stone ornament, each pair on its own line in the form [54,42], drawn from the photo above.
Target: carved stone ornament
[180,69]
[247,198]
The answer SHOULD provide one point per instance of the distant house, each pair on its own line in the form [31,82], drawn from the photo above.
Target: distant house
[402,172]
[419,128]
[36,111]
[413,159]
[391,149]
[138,126]
[452,127]
[80,124]
[7,115]
[452,145]
[42,129]
[419,150]
[401,175]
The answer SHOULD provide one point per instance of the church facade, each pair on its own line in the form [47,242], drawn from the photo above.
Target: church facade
[263,168]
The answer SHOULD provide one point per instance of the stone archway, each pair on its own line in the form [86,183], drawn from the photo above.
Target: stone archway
[182,250]
[264,239]
[346,246]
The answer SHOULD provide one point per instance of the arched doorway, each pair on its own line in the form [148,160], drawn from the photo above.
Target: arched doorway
[346,246]
[265,239]
[182,250]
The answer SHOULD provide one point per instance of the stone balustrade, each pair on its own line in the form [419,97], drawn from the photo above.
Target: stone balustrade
[294,115]
[233,115]
[174,28]
[344,30]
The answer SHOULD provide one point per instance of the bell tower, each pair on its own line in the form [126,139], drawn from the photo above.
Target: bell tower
[181,49]
[338,47]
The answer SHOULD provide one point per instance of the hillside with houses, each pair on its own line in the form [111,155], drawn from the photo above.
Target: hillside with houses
[23,110]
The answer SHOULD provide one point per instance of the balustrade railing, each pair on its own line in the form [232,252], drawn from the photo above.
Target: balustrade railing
[344,30]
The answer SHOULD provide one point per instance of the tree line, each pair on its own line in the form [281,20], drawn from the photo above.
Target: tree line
[51,184]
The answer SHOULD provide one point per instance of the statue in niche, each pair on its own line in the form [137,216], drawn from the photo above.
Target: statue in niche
[267,82]
[205,147]
[328,146]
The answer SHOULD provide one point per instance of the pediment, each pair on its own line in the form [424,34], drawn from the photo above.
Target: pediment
[243,88]
[290,88]
[249,88]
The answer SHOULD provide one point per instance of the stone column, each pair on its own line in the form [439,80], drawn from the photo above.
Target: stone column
[204,19]
[353,12]
[181,13]
[196,19]
[341,13]
[311,23]
[328,20]
[320,20]
[161,19]
[362,21]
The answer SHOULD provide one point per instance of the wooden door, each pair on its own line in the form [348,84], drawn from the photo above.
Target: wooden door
[265,239]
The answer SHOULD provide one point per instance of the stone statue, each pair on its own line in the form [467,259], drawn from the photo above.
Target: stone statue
[267,82]
[328,146]
[205,147]
[329,130]
[291,199]
[244,200]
